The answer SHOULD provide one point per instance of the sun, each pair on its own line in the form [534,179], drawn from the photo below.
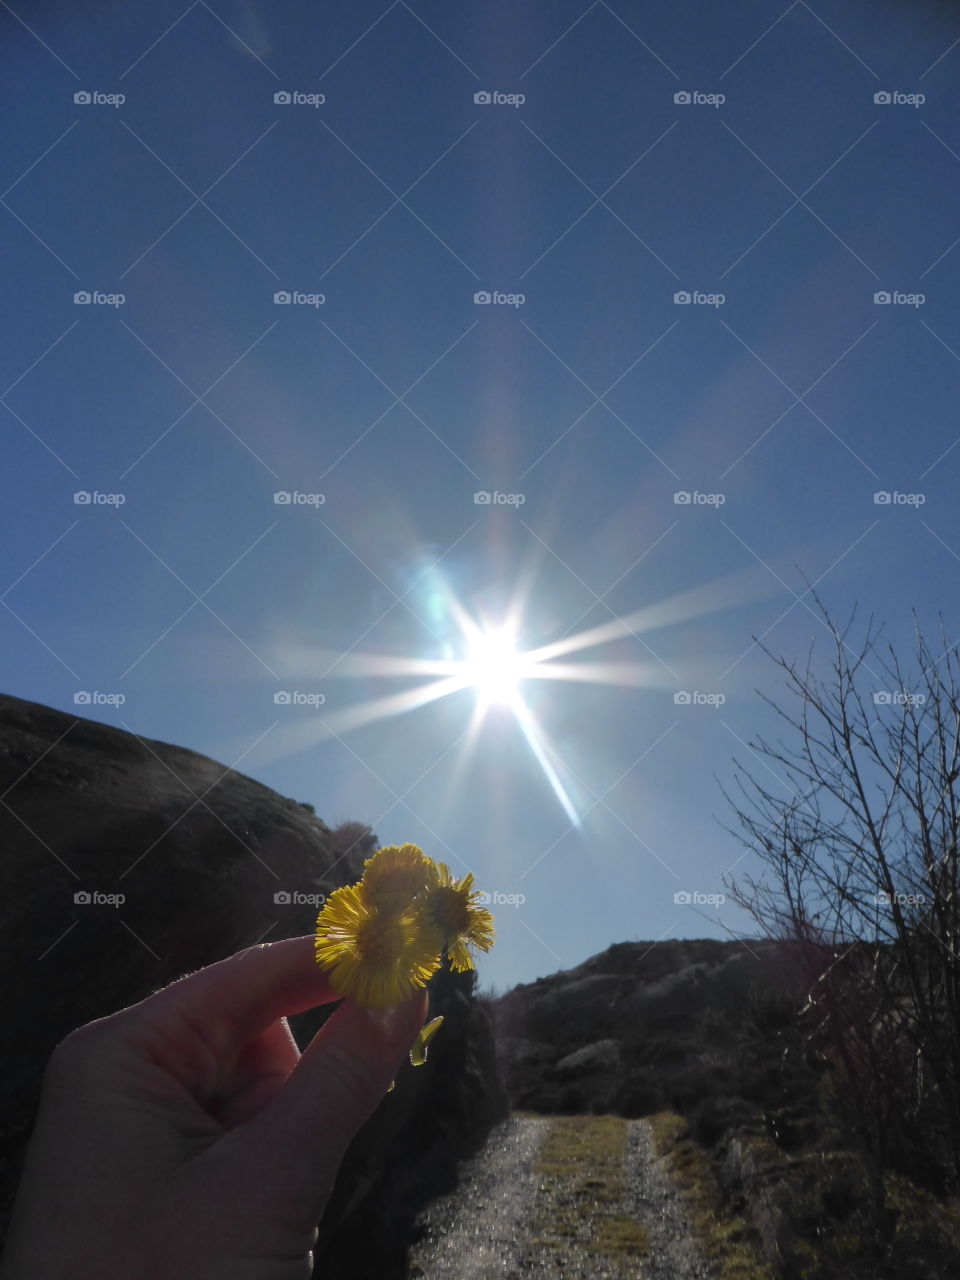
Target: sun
[494,667]
[479,652]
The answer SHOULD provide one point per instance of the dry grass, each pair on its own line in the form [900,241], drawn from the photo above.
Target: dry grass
[724,1238]
[582,1163]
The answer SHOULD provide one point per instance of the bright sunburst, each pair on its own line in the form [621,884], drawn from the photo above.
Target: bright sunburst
[488,661]
[494,667]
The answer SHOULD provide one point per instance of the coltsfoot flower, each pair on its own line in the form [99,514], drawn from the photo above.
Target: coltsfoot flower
[394,876]
[385,936]
[377,958]
[449,911]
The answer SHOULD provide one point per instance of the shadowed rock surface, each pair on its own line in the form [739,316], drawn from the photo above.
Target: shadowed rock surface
[199,851]
[637,1014]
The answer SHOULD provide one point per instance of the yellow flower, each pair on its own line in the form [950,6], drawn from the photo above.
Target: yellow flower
[449,912]
[382,938]
[377,958]
[394,876]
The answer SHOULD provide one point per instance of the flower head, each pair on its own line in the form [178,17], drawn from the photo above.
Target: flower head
[378,958]
[383,938]
[394,876]
[449,912]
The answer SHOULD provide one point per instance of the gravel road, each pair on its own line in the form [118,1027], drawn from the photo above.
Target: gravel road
[655,1202]
[481,1230]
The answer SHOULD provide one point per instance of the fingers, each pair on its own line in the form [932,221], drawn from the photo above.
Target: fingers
[293,1148]
[289,1121]
[260,1072]
[237,998]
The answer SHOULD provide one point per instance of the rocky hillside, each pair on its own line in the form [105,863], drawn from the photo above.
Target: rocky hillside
[707,1039]
[129,862]
[616,1030]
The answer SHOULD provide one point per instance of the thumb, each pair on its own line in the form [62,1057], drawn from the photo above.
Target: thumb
[287,1157]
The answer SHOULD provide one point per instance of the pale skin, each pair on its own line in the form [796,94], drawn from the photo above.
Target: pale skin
[186,1138]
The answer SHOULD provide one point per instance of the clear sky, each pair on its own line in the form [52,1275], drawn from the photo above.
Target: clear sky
[587,200]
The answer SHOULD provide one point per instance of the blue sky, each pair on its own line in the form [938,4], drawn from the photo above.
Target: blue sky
[780,198]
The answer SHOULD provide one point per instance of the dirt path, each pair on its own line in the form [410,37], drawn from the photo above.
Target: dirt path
[565,1198]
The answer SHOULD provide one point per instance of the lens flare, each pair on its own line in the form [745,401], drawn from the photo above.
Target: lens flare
[494,667]
[484,656]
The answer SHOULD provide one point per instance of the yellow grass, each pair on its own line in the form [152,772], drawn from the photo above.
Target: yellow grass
[583,1157]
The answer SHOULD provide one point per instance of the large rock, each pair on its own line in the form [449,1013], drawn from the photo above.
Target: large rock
[208,861]
[602,1055]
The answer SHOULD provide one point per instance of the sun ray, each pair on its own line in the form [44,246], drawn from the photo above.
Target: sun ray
[711,597]
[495,667]
[643,675]
[301,736]
[393,705]
[533,737]
[304,660]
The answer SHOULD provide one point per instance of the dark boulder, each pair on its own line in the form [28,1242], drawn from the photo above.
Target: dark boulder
[207,861]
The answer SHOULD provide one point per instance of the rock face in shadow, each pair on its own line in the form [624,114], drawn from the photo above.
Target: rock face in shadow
[207,861]
[629,1028]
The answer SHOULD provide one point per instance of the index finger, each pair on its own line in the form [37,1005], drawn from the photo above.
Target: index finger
[235,999]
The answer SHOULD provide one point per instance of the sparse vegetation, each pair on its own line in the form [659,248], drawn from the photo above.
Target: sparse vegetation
[861,871]
[585,1155]
[725,1237]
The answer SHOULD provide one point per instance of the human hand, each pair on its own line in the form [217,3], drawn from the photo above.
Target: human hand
[185,1138]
